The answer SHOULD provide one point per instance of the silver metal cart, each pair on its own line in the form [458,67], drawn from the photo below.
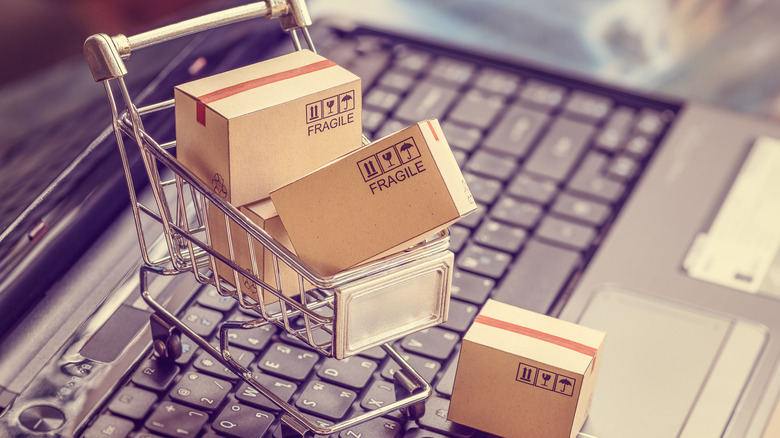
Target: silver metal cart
[338,316]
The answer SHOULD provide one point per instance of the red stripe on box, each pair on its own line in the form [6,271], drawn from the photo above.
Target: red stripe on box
[536,334]
[430,125]
[200,113]
[265,80]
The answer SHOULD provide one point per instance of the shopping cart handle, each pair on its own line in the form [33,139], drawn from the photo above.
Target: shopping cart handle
[105,54]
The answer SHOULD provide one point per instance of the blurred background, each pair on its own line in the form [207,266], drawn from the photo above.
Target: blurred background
[724,52]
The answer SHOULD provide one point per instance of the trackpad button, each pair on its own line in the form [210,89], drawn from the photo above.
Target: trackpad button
[667,369]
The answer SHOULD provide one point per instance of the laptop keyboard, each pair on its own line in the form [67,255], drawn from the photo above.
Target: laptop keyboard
[550,162]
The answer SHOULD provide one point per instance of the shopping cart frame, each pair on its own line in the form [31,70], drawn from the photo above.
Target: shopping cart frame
[182,202]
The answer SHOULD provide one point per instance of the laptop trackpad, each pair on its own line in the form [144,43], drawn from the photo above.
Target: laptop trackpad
[667,369]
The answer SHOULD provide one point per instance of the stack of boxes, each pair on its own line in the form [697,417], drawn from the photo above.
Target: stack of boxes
[281,141]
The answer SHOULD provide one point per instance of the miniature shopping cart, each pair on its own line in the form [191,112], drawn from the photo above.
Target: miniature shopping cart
[338,316]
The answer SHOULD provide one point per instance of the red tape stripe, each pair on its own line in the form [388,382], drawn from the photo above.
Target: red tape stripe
[430,125]
[265,80]
[536,334]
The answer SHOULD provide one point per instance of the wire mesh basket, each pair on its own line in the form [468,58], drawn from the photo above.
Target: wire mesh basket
[338,316]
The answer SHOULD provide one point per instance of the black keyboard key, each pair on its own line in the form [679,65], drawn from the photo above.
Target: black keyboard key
[390,126]
[176,420]
[461,137]
[458,237]
[500,236]
[200,390]
[372,120]
[352,372]
[566,233]
[496,81]
[581,209]
[252,339]
[397,79]
[287,361]
[447,380]
[589,179]
[284,389]
[537,276]
[369,65]
[650,123]
[155,374]
[426,100]
[240,421]
[484,190]
[471,287]
[374,428]
[623,168]
[587,106]
[206,363]
[460,316]
[474,218]
[460,157]
[639,146]
[452,71]
[109,426]
[435,342]
[201,320]
[213,300]
[491,165]
[560,149]
[534,188]
[376,353]
[381,100]
[325,400]
[615,131]
[435,418]
[542,94]
[483,261]
[516,132]
[516,212]
[411,60]
[477,108]
[380,394]
[132,402]
[188,350]
[425,367]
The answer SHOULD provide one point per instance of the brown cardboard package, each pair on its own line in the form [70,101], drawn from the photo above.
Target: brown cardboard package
[264,215]
[523,374]
[375,201]
[251,130]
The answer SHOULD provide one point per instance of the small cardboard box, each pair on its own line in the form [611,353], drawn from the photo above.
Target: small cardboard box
[251,130]
[264,215]
[523,374]
[373,202]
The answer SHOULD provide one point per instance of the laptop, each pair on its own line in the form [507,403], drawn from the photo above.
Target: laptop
[649,217]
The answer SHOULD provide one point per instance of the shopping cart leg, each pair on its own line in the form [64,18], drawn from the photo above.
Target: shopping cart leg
[406,386]
[166,339]
[291,428]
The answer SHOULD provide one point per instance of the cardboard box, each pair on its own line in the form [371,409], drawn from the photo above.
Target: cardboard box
[375,201]
[523,374]
[264,215]
[251,130]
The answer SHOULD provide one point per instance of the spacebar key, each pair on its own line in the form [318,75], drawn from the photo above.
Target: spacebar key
[537,276]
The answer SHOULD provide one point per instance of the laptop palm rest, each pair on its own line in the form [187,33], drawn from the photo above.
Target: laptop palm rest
[668,369]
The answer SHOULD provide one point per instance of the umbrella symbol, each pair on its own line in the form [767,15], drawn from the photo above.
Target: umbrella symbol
[405,148]
[565,383]
[346,100]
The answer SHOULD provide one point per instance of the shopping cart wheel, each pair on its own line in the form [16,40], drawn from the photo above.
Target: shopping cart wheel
[405,387]
[166,339]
